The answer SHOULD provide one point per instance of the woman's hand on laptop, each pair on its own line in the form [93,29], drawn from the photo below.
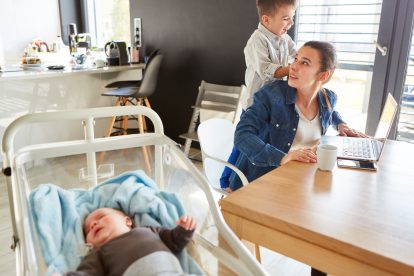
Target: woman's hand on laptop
[344,130]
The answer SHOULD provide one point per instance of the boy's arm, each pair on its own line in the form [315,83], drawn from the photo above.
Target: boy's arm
[257,55]
[292,49]
[284,70]
[175,239]
[281,72]
[90,265]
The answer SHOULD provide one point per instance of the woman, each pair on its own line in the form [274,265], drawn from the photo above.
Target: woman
[287,119]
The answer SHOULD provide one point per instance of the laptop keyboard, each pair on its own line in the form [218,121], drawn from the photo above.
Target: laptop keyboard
[356,148]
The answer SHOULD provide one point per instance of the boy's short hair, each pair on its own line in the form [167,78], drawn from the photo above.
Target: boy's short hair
[268,7]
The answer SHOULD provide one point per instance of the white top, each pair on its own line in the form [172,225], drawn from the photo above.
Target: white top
[264,53]
[309,132]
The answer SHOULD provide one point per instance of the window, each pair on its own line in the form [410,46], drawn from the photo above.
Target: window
[406,119]
[351,26]
[107,20]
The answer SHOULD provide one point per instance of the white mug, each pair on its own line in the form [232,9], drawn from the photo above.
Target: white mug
[326,157]
[100,63]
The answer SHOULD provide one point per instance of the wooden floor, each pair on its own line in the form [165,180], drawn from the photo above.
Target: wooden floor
[274,263]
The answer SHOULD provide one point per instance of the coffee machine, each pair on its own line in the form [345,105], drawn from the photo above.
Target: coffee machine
[117,53]
[83,41]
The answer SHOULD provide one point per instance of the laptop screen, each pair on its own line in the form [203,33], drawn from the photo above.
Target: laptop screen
[387,117]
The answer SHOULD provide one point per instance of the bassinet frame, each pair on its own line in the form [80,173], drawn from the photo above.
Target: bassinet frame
[23,240]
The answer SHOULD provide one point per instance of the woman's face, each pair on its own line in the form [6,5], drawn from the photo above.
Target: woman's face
[304,72]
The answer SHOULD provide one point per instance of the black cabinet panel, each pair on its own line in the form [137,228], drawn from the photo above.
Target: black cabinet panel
[70,12]
[201,40]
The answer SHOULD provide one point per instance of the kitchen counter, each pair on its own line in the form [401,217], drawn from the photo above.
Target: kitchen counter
[43,72]
[43,90]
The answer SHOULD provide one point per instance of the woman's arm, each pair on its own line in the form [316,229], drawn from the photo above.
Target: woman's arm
[337,119]
[247,136]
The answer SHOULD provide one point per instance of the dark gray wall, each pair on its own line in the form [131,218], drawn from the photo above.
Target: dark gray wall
[201,40]
[70,12]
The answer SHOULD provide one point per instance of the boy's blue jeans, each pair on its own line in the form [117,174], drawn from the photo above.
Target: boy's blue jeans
[225,176]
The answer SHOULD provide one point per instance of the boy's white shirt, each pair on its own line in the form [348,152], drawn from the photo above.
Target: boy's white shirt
[264,53]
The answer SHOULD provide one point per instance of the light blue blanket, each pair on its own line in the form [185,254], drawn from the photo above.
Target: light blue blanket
[58,215]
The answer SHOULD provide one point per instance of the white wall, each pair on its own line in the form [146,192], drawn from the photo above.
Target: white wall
[21,21]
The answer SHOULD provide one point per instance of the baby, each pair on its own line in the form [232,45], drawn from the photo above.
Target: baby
[120,249]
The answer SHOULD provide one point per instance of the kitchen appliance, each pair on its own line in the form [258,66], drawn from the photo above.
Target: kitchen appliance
[72,32]
[117,53]
[84,41]
[40,45]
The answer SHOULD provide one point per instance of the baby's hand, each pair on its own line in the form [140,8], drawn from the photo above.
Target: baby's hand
[187,222]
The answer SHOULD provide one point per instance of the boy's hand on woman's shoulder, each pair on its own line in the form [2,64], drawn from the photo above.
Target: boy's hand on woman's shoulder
[187,222]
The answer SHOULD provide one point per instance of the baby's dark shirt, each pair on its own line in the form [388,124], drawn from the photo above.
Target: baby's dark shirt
[114,257]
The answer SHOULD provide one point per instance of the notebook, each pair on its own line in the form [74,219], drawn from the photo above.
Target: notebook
[366,149]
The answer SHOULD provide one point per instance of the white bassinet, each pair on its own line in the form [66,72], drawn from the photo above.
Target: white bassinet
[87,162]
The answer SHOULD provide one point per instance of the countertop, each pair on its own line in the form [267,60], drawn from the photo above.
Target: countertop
[43,72]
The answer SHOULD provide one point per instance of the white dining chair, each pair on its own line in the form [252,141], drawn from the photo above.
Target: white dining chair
[216,137]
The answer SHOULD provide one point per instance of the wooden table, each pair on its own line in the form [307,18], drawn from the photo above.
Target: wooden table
[344,222]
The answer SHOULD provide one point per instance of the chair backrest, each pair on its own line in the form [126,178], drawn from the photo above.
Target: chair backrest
[149,80]
[219,101]
[152,55]
[216,138]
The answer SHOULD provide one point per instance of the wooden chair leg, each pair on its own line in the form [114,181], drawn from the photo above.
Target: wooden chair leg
[108,133]
[147,161]
[125,120]
[147,103]
[145,151]
[144,120]
[257,252]
[140,121]
[112,122]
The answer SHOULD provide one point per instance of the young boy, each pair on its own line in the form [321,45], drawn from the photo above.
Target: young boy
[120,249]
[269,49]
[267,53]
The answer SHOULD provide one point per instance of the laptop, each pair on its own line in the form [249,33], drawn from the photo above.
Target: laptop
[366,149]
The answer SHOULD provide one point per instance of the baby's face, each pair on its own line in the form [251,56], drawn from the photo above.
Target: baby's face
[104,224]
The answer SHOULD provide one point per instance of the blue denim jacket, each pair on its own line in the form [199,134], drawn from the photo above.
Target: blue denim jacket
[267,129]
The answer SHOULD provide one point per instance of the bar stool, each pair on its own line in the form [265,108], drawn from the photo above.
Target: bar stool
[135,95]
[132,83]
